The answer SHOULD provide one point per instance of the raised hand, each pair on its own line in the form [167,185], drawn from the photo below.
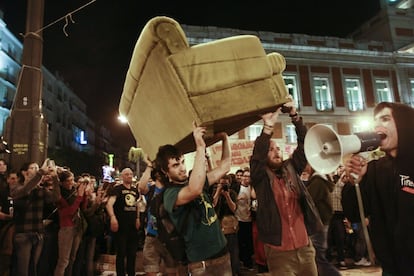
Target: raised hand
[270,118]
[289,106]
[220,136]
[198,133]
[81,189]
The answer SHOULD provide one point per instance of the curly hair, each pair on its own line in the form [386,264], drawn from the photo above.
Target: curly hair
[164,154]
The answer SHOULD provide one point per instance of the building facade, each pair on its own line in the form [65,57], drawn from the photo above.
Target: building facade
[66,114]
[337,81]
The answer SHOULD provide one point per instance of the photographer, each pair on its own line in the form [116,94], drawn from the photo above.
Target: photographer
[93,213]
[224,201]
[28,199]
[70,232]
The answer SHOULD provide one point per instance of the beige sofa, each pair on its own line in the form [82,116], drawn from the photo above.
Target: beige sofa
[224,85]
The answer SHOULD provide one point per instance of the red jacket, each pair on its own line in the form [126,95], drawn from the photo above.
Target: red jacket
[68,212]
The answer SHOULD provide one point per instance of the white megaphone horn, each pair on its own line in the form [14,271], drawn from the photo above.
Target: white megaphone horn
[325,149]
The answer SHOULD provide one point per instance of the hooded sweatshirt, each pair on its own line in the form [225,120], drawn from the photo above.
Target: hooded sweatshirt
[388,195]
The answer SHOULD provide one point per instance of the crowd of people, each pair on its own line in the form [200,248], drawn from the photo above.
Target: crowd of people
[51,221]
[276,216]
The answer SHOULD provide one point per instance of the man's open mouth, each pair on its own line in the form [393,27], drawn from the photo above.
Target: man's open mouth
[382,135]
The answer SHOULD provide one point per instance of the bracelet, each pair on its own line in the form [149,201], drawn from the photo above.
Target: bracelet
[268,126]
[294,115]
[150,166]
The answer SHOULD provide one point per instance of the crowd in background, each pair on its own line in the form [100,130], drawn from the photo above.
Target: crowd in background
[275,215]
[52,222]
[76,227]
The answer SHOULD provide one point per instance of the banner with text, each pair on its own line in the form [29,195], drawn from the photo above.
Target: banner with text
[241,150]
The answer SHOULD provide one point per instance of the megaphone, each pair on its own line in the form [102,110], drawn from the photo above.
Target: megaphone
[325,149]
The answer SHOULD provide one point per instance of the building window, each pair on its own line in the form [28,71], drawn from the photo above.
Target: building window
[291,137]
[3,94]
[383,91]
[254,131]
[354,94]
[292,88]
[323,98]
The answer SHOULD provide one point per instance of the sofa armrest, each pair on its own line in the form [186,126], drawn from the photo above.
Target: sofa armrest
[161,32]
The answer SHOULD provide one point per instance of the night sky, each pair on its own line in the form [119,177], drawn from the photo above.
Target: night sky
[95,56]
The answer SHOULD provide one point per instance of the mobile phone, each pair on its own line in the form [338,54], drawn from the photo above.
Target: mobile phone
[286,109]
[51,163]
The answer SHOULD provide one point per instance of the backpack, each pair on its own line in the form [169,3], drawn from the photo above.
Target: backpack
[168,234]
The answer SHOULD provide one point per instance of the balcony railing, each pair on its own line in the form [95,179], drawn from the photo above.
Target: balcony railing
[355,105]
[324,105]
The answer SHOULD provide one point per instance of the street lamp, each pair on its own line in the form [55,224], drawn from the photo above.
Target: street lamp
[122,119]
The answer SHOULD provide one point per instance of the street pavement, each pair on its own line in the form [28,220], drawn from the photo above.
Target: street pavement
[362,271]
[106,267]
[359,271]
[351,271]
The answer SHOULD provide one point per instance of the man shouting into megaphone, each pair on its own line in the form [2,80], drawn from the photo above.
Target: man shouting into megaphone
[387,189]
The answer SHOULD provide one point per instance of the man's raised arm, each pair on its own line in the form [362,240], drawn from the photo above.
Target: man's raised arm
[224,167]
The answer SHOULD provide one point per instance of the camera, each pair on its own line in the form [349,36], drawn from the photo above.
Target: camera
[50,163]
[226,187]
[286,109]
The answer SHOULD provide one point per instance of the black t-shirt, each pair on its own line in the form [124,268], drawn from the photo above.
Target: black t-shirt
[125,206]
[5,203]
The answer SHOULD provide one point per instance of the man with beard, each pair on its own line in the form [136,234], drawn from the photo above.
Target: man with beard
[284,206]
[387,189]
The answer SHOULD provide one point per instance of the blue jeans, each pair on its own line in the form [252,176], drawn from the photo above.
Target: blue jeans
[27,248]
[320,242]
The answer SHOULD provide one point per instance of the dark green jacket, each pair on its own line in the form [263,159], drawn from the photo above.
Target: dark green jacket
[320,188]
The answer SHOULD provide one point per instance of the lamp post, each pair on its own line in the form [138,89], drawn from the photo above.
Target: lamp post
[26,129]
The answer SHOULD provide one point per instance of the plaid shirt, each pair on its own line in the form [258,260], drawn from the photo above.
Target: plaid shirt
[28,204]
[336,196]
